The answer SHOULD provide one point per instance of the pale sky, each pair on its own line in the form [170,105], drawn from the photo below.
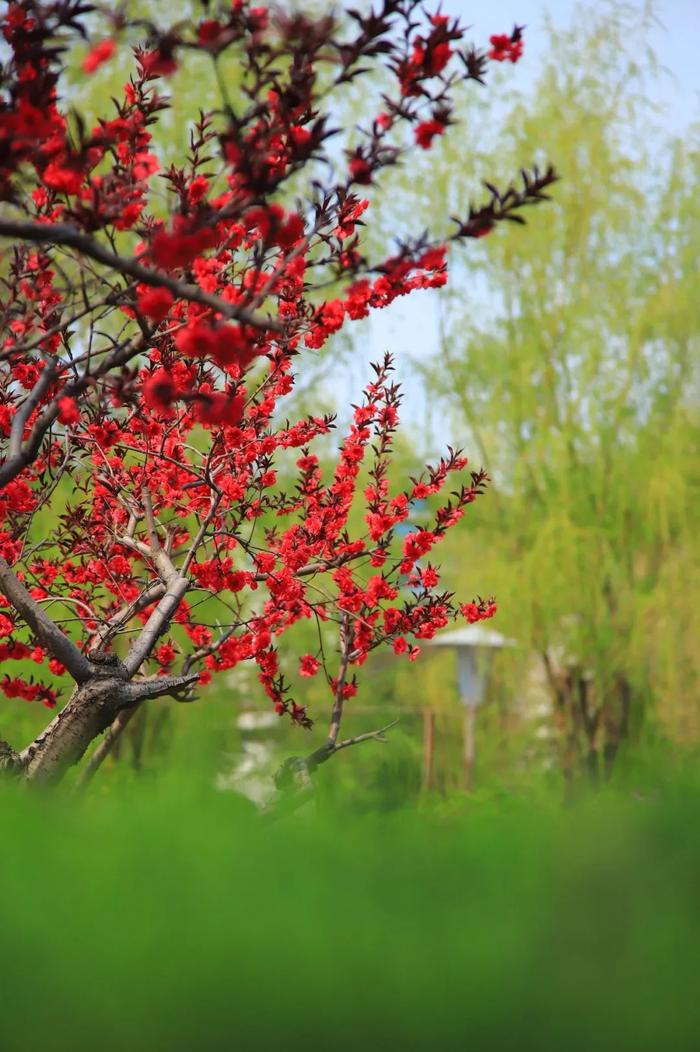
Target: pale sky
[676,43]
[410,324]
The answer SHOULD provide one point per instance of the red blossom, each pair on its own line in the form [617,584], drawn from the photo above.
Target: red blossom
[506,48]
[479,611]
[217,408]
[197,340]
[308,665]
[64,178]
[360,170]
[155,303]
[165,655]
[208,31]
[426,131]
[98,54]
[160,390]
[68,411]
[158,63]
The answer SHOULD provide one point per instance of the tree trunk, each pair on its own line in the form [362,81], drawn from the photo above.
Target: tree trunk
[91,709]
[109,744]
[617,717]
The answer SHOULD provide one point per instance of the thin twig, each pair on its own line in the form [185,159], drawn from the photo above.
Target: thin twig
[66,234]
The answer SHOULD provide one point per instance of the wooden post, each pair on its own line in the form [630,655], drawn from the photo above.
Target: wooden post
[428,747]
[469,746]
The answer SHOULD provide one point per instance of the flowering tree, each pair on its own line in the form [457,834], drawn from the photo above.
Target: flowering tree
[152,325]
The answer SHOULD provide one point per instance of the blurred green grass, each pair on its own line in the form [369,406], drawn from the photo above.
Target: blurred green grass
[166,915]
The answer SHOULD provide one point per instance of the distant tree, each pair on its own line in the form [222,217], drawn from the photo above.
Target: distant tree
[570,355]
[152,322]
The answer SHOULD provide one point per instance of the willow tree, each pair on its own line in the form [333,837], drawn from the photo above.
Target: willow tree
[573,361]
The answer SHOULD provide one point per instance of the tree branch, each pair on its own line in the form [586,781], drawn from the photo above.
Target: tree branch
[66,234]
[295,773]
[175,588]
[18,459]
[337,711]
[328,749]
[174,686]
[106,632]
[377,736]
[48,633]
[151,522]
[200,534]
[25,410]
[162,687]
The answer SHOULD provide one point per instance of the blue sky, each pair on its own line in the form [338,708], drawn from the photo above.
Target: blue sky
[676,42]
[411,323]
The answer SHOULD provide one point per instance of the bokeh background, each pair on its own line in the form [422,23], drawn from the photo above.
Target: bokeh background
[555,905]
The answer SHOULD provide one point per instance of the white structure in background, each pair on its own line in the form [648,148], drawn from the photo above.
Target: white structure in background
[253,770]
[475,645]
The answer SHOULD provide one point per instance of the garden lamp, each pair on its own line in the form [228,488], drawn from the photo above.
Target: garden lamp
[474,645]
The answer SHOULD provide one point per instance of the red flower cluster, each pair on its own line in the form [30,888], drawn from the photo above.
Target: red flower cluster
[155,303]
[308,665]
[506,48]
[226,344]
[426,131]
[98,55]
[429,55]
[482,610]
[20,688]
[68,411]
[152,340]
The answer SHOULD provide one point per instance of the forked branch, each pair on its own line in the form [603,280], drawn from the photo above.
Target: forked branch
[328,749]
[178,687]
[48,633]
[377,736]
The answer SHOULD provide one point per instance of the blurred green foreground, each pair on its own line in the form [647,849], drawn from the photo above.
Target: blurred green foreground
[176,919]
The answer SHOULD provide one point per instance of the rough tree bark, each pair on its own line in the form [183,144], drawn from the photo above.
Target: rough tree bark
[91,710]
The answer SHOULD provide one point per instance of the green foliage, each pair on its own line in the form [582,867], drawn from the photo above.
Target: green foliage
[173,919]
[569,353]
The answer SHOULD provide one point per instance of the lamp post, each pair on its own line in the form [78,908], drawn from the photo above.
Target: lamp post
[475,645]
